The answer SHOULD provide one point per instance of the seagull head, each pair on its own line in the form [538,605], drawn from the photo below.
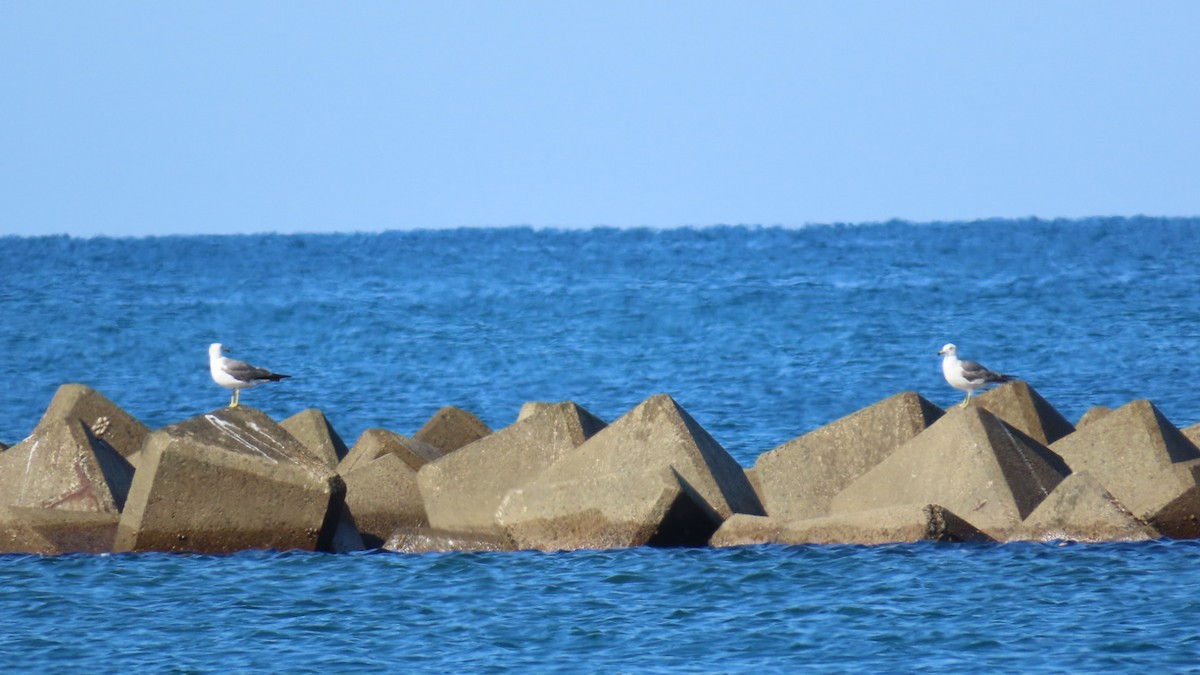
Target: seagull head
[948,349]
[215,349]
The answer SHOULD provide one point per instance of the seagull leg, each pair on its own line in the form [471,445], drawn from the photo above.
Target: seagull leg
[966,400]
[233,402]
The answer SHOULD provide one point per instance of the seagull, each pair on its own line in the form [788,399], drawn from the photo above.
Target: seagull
[236,375]
[968,376]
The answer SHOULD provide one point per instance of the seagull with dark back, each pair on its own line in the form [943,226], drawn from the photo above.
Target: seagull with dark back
[967,376]
[236,375]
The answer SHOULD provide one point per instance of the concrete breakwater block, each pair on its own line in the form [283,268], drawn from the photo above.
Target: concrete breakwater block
[800,478]
[462,490]
[429,540]
[63,465]
[1144,462]
[1023,408]
[895,524]
[612,510]
[380,472]
[227,481]
[311,428]
[107,422]
[657,434]
[1080,509]
[375,443]
[969,462]
[56,531]
[451,428]
[652,477]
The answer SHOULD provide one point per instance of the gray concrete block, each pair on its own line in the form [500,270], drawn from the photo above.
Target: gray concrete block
[611,510]
[969,462]
[800,478]
[452,428]
[1143,461]
[658,434]
[311,428]
[1023,408]
[463,489]
[895,524]
[1080,509]
[227,481]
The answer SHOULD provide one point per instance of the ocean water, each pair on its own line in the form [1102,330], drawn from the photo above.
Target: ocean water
[762,334]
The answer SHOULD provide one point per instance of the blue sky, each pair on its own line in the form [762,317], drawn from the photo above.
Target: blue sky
[219,117]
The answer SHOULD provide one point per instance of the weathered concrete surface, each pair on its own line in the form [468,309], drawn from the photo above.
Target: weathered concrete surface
[382,495]
[658,434]
[451,428]
[1080,509]
[610,510]
[1023,408]
[969,462]
[104,419]
[56,531]
[906,523]
[311,428]
[375,443]
[462,490]
[1192,433]
[428,540]
[800,478]
[1144,462]
[227,481]
[1091,415]
[62,465]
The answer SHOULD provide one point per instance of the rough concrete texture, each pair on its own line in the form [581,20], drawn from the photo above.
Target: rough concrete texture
[610,510]
[463,489]
[56,531]
[1080,509]
[382,495]
[1144,462]
[311,428]
[106,422]
[451,428]
[658,433]
[971,463]
[62,465]
[1023,408]
[1192,433]
[905,523]
[799,479]
[1091,415]
[427,540]
[228,481]
[375,443]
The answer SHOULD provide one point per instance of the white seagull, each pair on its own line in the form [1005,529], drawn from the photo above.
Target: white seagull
[236,375]
[968,376]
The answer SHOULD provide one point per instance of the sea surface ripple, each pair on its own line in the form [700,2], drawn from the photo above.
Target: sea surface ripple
[761,333]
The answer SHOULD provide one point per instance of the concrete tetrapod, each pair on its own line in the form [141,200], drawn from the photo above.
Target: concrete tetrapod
[463,489]
[227,481]
[969,462]
[1023,408]
[894,524]
[1143,461]
[311,428]
[800,478]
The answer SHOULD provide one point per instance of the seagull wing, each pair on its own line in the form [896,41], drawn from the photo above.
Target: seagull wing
[975,372]
[247,373]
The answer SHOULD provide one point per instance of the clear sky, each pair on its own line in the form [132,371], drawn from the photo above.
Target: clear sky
[135,118]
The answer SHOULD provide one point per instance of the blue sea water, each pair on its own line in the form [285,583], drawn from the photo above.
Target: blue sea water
[762,334]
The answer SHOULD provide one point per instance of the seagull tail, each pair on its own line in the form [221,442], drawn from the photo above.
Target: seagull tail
[275,377]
